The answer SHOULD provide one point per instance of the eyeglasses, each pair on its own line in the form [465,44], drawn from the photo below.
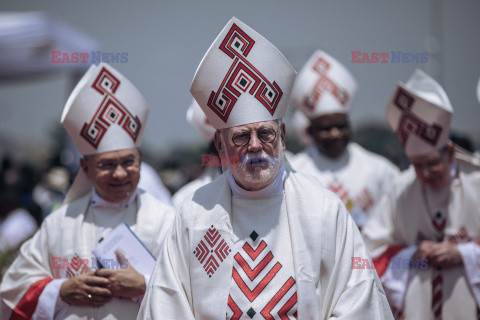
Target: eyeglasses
[111,166]
[265,135]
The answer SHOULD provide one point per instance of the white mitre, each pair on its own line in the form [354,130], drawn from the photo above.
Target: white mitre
[323,86]
[242,78]
[197,119]
[420,114]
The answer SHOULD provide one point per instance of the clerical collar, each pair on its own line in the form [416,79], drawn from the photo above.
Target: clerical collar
[99,202]
[276,187]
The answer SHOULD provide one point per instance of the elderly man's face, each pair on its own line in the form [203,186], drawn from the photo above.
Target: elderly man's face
[259,158]
[331,133]
[433,169]
[114,174]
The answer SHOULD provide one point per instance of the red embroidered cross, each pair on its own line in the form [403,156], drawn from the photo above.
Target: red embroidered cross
[211,251]
[76,266]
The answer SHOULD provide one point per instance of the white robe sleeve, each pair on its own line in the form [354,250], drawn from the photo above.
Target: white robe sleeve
[168,292]
[470,252]
[362,297]
[397,276]
[354,290]
[29,273]
[49,303]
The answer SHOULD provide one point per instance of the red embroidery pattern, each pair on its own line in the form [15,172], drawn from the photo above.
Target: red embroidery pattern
[460,237]
[324,84]
[437,293]
[365,200]
[211,251]
[237,313]
[266,312]
[339,190]
[111,111]
[76,266]
[253,272]
[242,77]
[410,124]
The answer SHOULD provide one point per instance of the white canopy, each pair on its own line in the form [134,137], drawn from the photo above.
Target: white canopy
[27,40]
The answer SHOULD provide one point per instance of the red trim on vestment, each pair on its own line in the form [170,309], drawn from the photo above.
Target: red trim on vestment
[27,305]
[381,263]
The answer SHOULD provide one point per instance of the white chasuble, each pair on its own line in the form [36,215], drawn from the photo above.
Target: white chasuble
[358,177]
[263,284]
[411,214]
[62,248]
[194,276]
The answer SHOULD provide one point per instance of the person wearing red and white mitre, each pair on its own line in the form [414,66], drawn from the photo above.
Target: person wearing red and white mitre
[55,275]
[262,240]
[324,92]
[425,236]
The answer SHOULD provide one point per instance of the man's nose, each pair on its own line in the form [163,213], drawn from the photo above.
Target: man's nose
[335,132]
[427,171]
[254,144]
[119,172]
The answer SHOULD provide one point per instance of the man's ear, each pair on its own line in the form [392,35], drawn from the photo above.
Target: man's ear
[218,141]
[84,164]
[309,130]
[451,151]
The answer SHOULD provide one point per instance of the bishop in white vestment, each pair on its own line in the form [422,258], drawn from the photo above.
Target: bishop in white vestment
[56,275]
[425,235]
[261,241]
[324,92]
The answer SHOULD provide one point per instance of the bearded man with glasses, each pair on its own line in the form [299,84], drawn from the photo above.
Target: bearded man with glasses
[261,241]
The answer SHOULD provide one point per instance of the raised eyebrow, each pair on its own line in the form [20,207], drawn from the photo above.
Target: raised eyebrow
[128,158]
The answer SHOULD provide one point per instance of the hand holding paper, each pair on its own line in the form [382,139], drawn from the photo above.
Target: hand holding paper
[124,282]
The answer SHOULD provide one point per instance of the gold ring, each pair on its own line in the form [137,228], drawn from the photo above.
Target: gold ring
[89,296]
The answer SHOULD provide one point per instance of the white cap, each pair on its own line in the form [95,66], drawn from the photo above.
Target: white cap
[323,86]
[197,118]
[300,125]
[105,112]
[420,114]
[242,78]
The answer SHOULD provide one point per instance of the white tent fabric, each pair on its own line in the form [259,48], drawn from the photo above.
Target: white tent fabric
[27,40]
